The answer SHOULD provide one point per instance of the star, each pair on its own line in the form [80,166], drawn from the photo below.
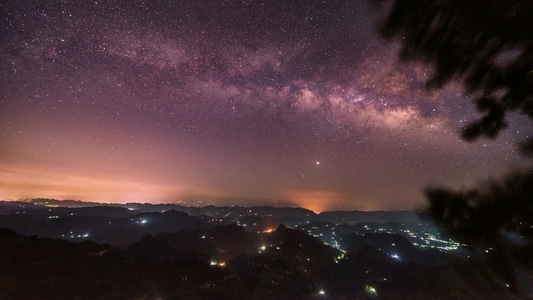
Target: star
[214,102]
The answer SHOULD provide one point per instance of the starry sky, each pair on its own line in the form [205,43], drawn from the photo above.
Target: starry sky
[228,103]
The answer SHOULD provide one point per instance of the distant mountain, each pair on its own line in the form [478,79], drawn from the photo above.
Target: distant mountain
[339,217]
[10,207]
[396,248]
[112,225]
[353,217]
[64,203]
[120,225]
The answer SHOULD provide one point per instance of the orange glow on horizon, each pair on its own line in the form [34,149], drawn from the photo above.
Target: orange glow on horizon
[317,201]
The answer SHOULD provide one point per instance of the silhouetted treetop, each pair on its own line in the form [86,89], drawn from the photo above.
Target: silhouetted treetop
[496,217]
[480,216]
[487,45]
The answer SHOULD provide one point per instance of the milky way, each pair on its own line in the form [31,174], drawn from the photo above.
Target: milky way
[227,103]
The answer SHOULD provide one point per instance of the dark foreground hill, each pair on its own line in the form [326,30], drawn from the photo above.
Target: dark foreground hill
[226,262]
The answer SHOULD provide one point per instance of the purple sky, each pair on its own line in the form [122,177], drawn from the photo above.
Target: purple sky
[227,102]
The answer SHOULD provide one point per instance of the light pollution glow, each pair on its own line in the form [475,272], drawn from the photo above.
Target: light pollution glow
[209,104]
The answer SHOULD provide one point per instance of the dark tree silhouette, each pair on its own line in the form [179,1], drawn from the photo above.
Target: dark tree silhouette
[482,216]
[487,45]
[496,217]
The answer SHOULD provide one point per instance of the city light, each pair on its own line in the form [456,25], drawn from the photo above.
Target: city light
[395,256]
[371,291]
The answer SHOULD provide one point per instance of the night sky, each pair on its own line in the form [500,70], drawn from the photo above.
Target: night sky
[227,103]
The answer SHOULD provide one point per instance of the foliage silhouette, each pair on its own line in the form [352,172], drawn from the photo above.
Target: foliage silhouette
[483,215]
[487,45]
[496,217]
